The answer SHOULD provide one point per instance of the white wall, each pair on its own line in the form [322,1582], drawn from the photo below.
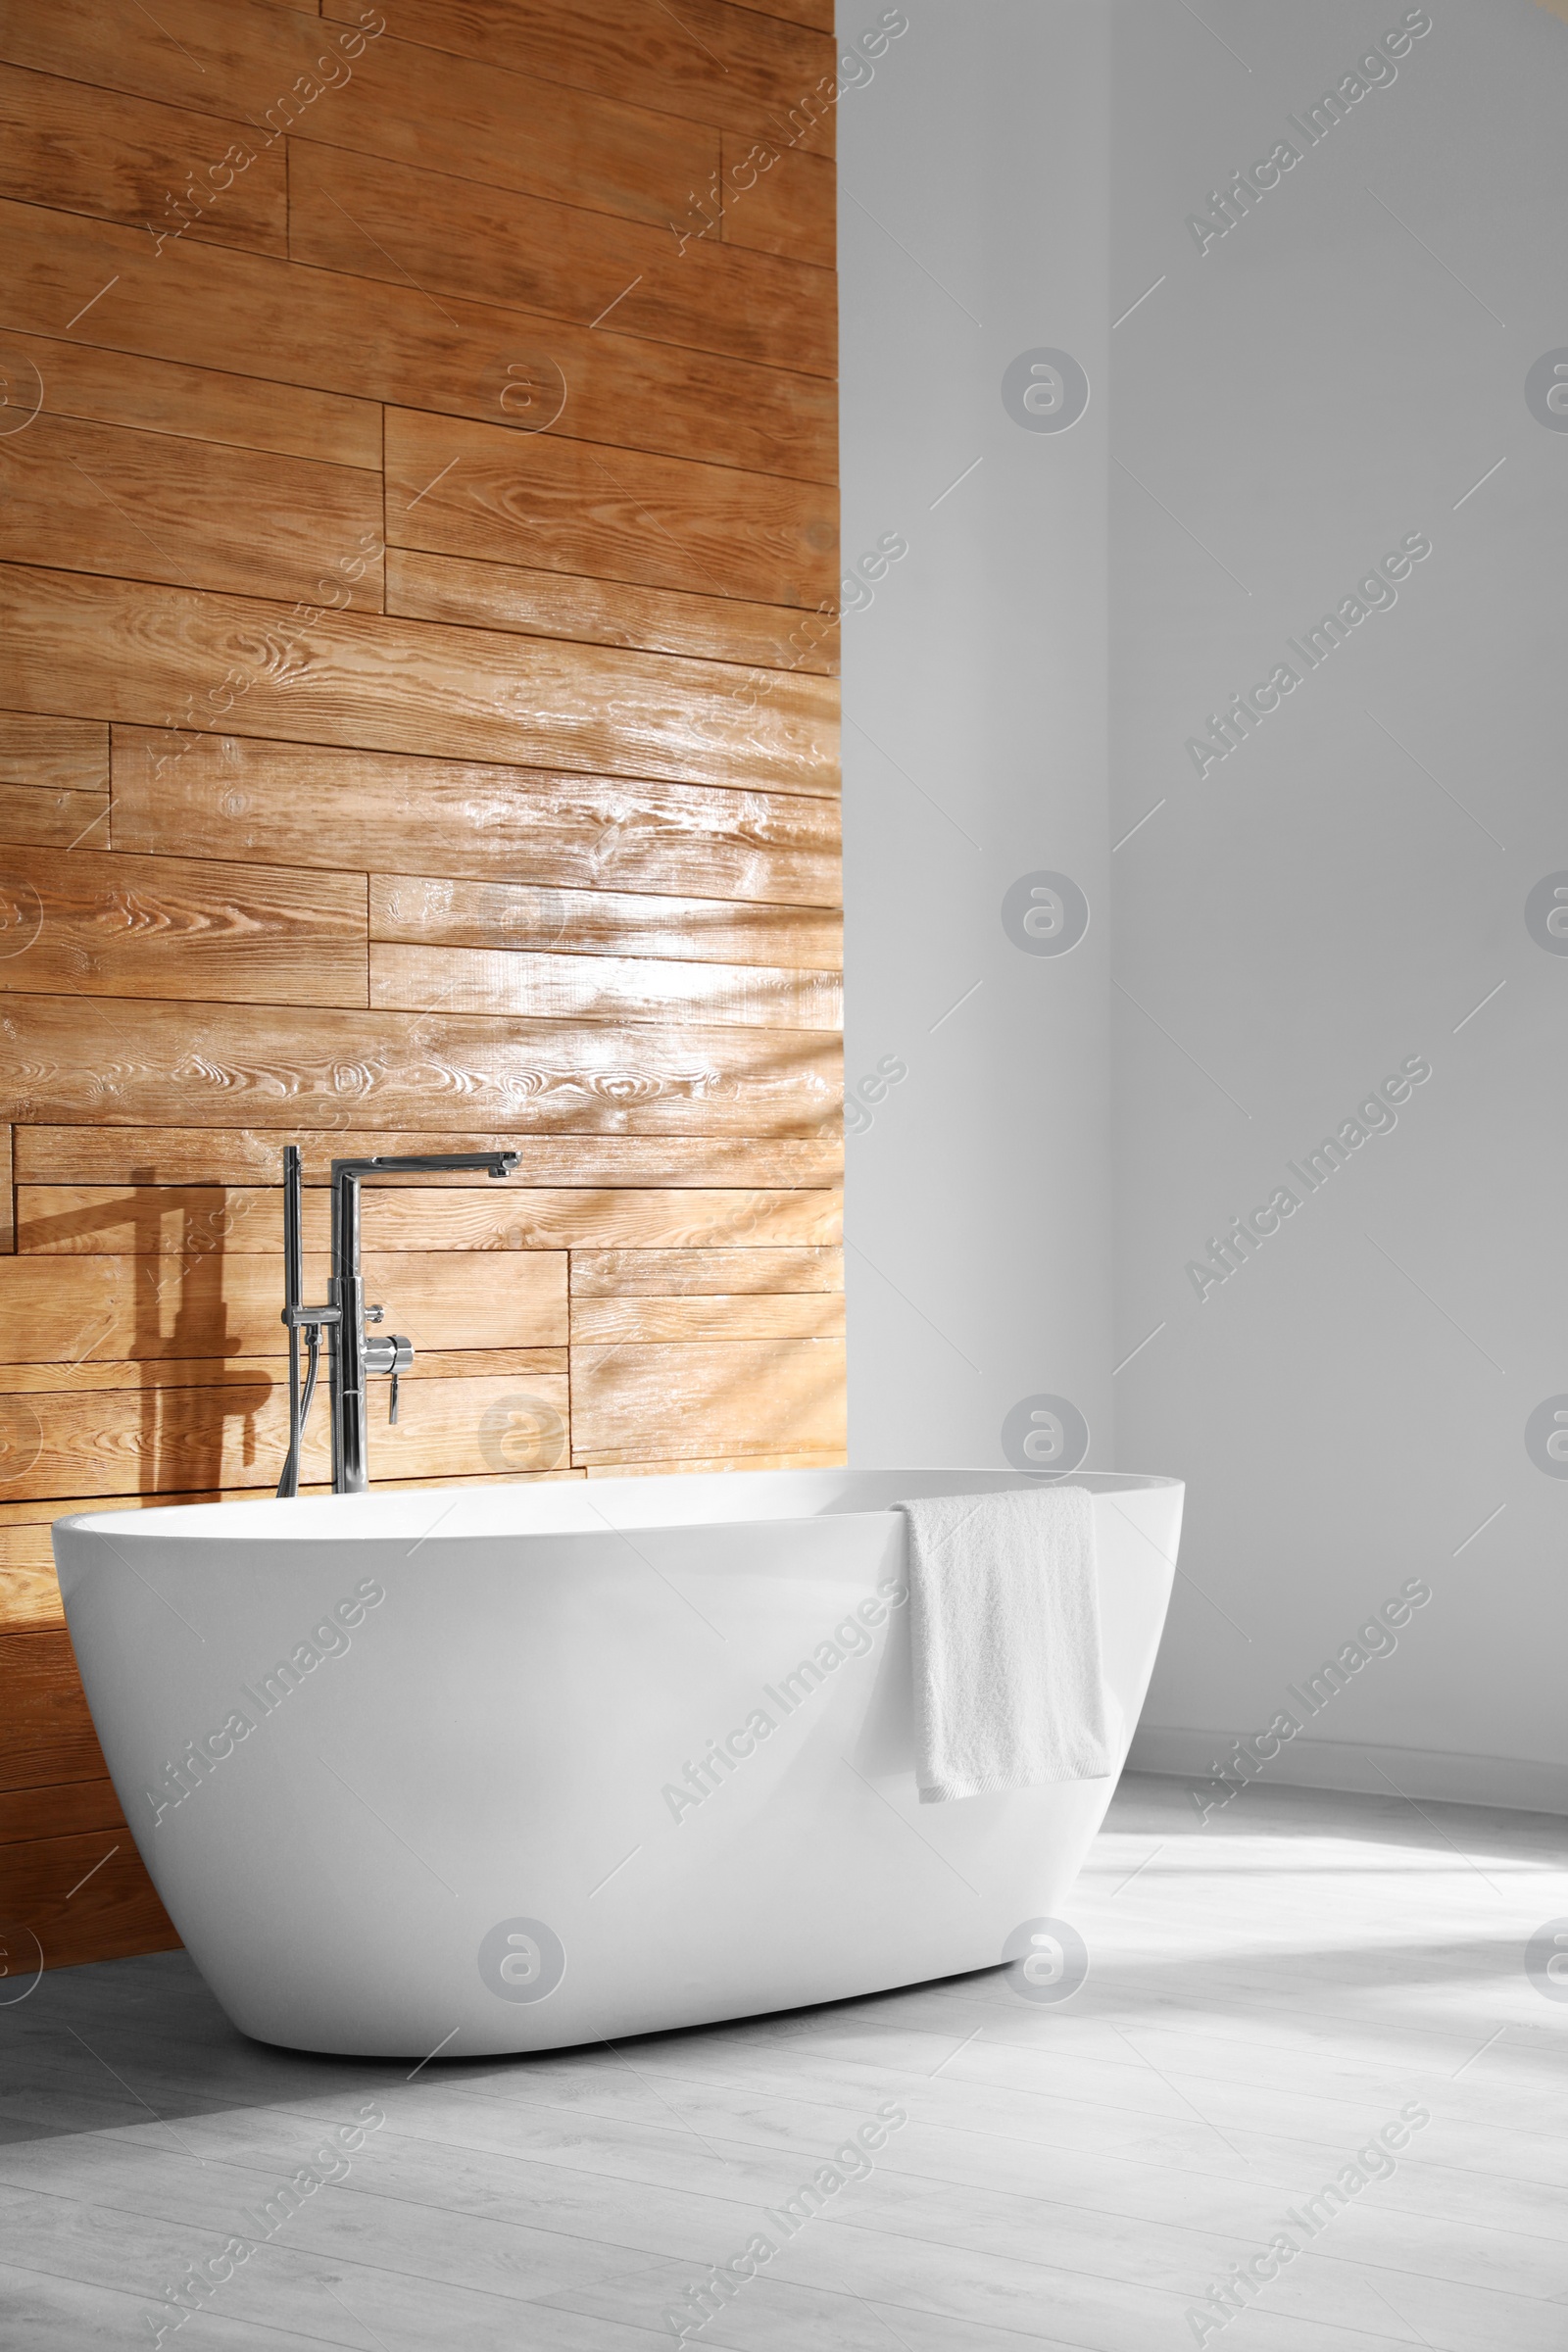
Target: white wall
[973,230]
[1317,907]
[1311,388]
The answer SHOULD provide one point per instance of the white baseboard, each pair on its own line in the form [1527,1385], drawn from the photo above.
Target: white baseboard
[1513,1782]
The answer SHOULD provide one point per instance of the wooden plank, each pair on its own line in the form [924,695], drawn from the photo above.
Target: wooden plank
[829,1459]
[186,1155]
[199,404]
[448,112]
[651,620]
[49,819]
[699,1273]
[426,910]
[652,1403]
[167,1221]
[47,1732]
[230,1434]
[101,923]
[764,1315]
[817,15]
[54,755]
[777,200]
[307,1067]
[163,1220]
[69,1809]
[309,804]
[125,652]
[95,498]
[456,488]
[172,174]
[214,57]
[711,61]
[29,1597]
[25,1549]
[8,1201]
[241,1371]
[64,1309]
[81,1905]
[528,1220]
[560,987]
[261,316]
[489,244]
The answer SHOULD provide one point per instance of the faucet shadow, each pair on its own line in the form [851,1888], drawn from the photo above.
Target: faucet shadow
[180,1317]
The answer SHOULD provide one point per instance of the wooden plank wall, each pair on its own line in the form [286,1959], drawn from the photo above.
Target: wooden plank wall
[418,731]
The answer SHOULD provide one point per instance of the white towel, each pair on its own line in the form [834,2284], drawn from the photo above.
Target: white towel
[1005,1635]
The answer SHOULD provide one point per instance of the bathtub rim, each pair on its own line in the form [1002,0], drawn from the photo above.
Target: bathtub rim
[204,1521]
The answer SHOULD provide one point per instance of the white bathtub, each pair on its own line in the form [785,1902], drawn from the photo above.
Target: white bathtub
[461,1817]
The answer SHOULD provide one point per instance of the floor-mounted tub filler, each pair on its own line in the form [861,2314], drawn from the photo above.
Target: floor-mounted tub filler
[541,1764]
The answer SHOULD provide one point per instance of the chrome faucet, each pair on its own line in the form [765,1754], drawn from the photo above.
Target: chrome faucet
[353,1354]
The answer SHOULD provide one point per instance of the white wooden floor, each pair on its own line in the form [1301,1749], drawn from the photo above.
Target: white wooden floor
[1265,1994]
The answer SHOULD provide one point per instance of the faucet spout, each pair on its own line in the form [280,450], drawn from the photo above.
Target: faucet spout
[427,1164]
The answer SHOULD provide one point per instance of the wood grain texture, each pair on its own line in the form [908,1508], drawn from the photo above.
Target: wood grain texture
[47,1732]
[649,1404]
[410,105]
[29,1598]
[8,1205]
[25,1547]
[56,1310]
[209,1156]
[830,1458]
[54,755]
[815,15]
[47,819]
[372,219]
[311,805]
[541,291]
[693,1321]
[172,174]
[101,923]
[199,404]
[235,1435]
[531,1218]
[599,988]
[776,200]
[302,1067]
[649,621]
[68,1810]
[84,1898]
[456,488]
[702,1273]
[711,61]
[137,654]
[230,1371]
[237,1220]
[423,910]
[98,498]
[262,317]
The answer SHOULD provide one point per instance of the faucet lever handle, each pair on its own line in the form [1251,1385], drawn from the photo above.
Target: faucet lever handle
[402,1359]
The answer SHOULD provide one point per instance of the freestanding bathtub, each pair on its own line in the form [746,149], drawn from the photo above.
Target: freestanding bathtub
[524,1766]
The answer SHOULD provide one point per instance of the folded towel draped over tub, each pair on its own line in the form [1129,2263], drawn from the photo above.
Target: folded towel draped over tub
[1004,1636]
